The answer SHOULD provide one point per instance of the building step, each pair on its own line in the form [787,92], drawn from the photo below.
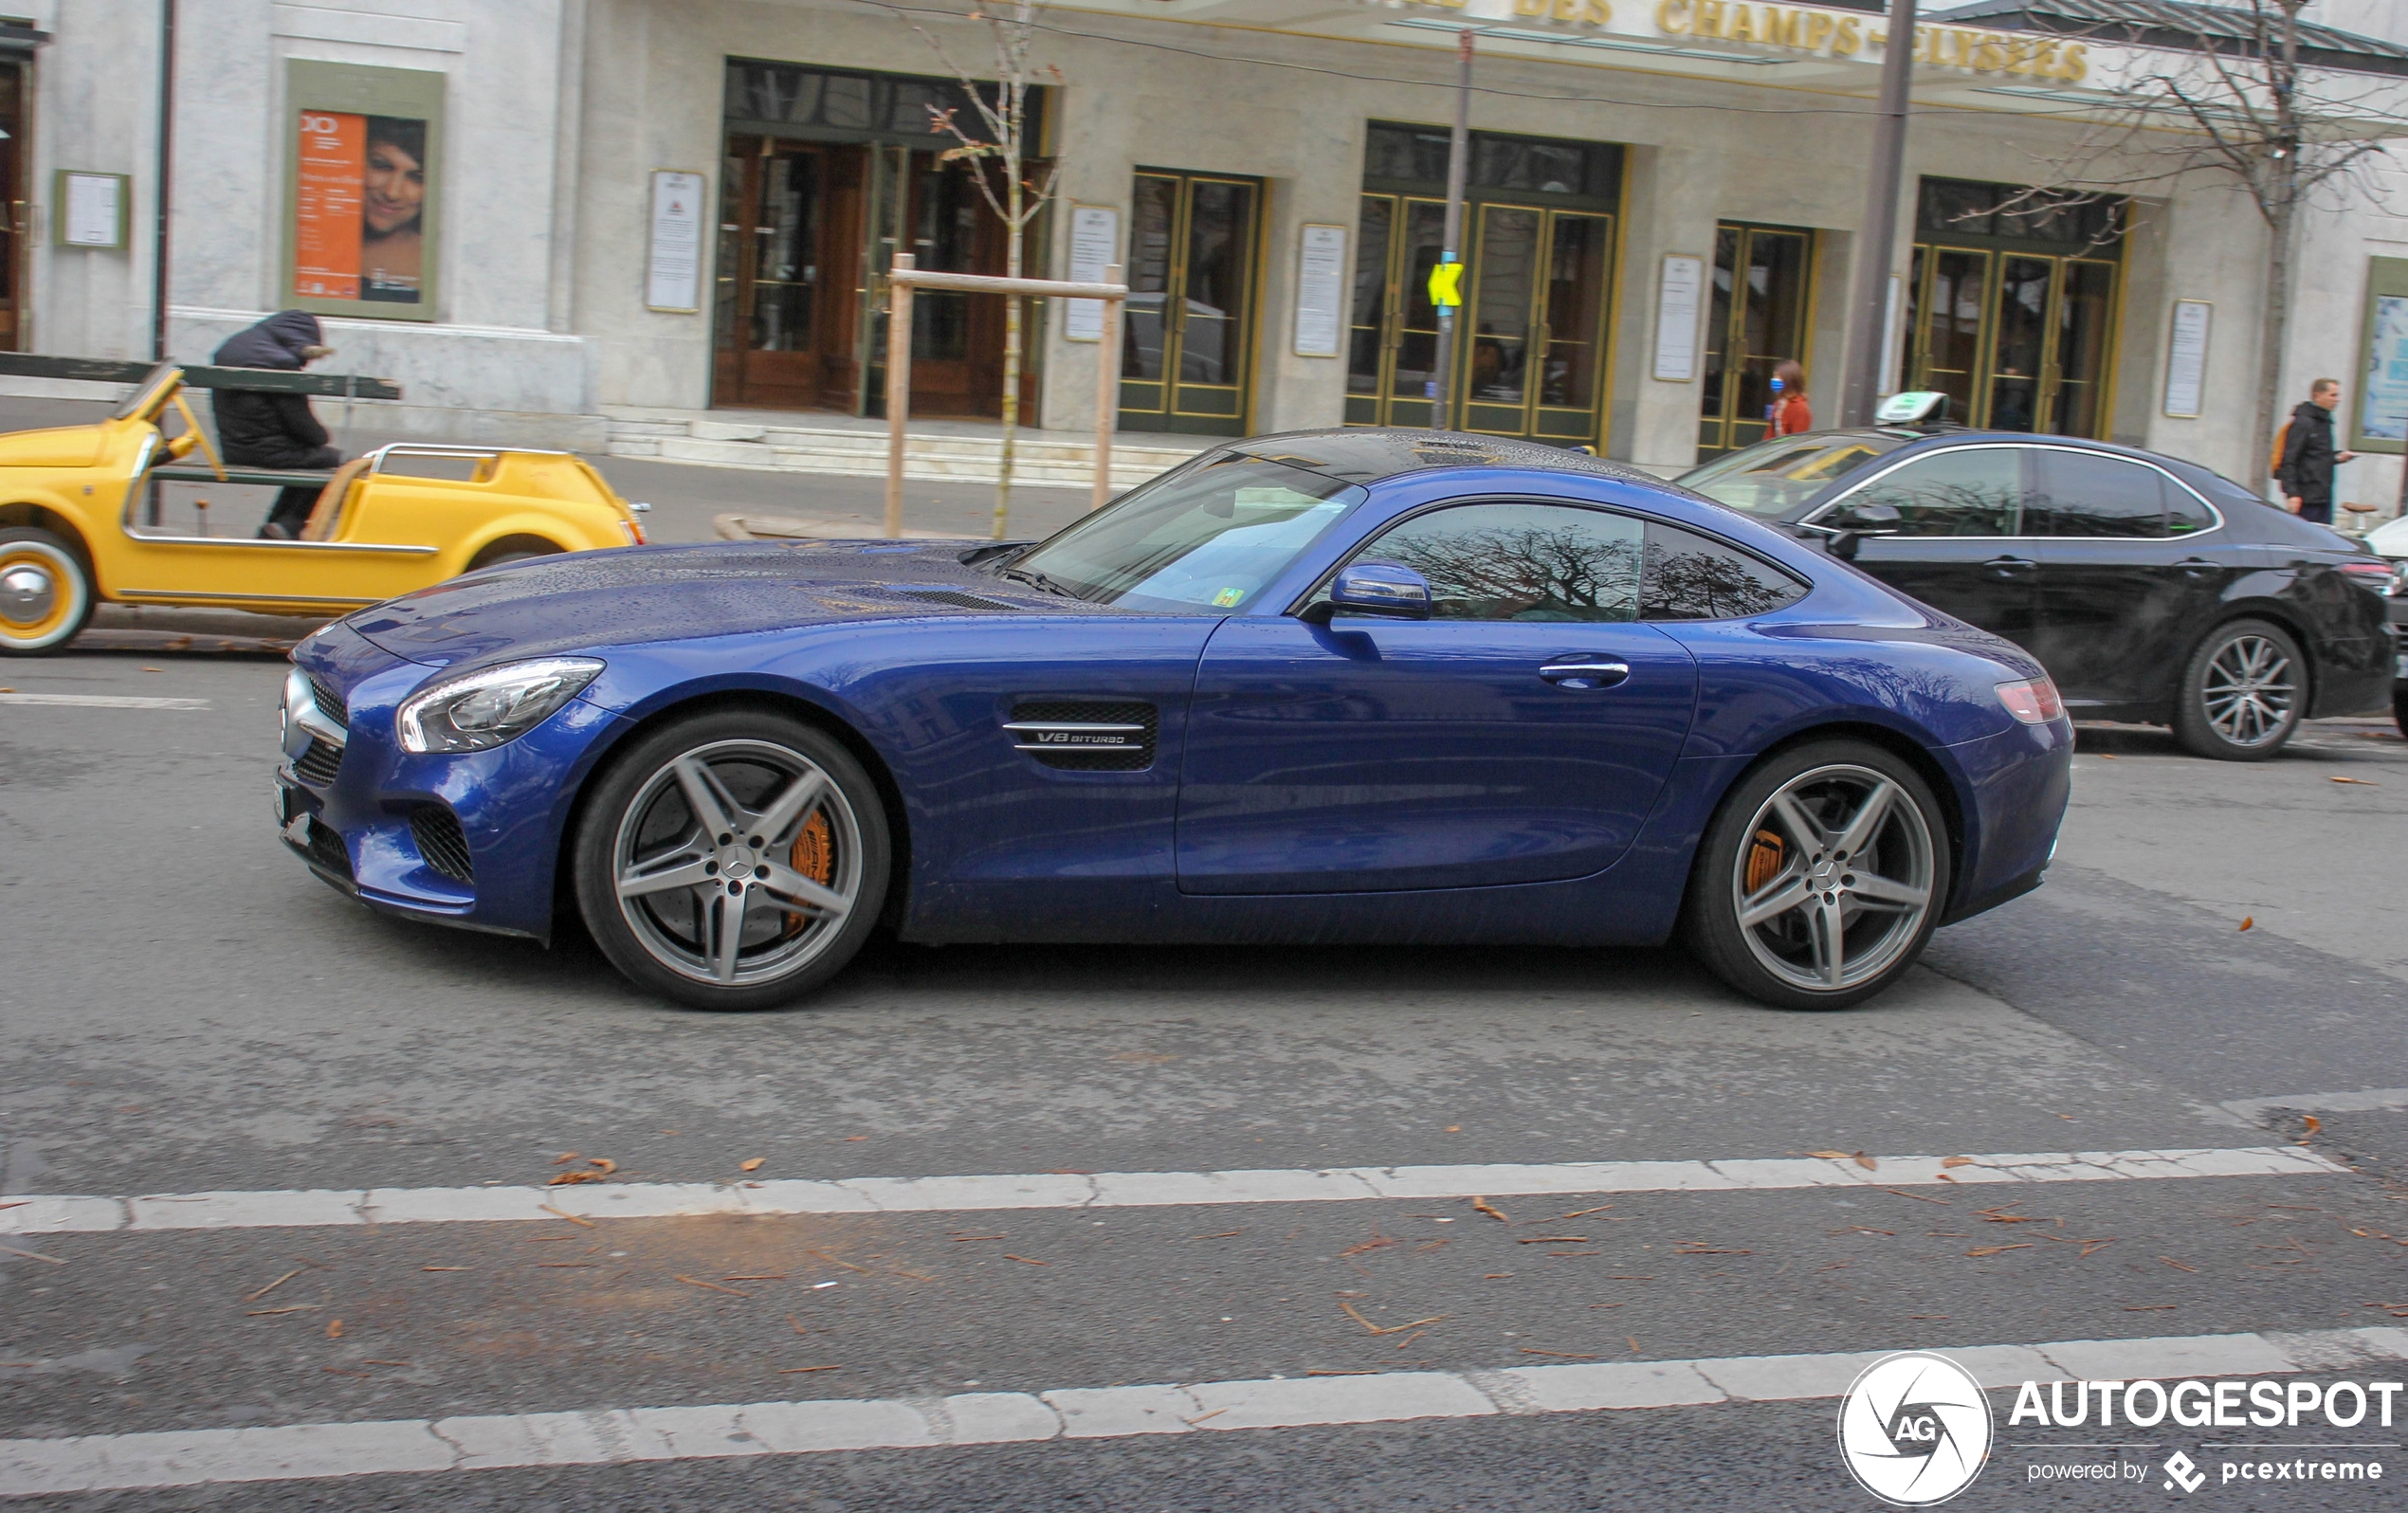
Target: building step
[1039,458]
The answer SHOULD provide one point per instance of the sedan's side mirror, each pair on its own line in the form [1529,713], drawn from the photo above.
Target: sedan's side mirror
[1384,588]
[1850,520]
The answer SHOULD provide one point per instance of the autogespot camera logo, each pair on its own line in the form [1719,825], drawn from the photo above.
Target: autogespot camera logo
[1914,1428]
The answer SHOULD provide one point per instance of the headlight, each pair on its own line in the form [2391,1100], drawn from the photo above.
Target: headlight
[486,709]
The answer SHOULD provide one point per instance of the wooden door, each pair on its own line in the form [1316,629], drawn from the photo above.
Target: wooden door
[788,268]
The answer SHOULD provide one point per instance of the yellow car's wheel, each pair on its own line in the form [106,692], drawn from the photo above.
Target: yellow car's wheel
[45,594]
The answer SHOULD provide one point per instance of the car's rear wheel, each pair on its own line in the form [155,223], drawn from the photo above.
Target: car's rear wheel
[1820,878]
[2242,693]
[734,860]
[46,593]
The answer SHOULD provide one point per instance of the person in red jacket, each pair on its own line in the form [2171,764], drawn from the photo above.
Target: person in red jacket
[1788,413]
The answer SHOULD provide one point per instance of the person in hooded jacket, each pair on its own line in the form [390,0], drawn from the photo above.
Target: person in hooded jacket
[260,428]
[2308,458]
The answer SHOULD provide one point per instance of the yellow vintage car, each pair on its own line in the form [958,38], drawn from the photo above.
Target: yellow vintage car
[105,514]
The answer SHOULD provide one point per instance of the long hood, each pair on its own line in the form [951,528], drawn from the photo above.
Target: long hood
[590,599]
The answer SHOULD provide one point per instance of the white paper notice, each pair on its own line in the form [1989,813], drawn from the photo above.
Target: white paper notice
[1676,303]
[672,282]
[2186,358]
[1321,291]
[1095,245]
[94,210]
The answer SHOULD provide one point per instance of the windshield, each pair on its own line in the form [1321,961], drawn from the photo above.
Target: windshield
[1208,537]
[1774,476]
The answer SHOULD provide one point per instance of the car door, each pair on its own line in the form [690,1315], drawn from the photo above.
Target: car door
[1956,546]
[2123,591]
[1466,749]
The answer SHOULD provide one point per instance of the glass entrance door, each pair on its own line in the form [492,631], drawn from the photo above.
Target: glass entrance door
[788,228]
[1394,339]
[1755,321]
[2017,341]
[13,203]
[1186,355]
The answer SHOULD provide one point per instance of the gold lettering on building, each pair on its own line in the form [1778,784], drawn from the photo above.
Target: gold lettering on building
[1804,29]
[1592,12]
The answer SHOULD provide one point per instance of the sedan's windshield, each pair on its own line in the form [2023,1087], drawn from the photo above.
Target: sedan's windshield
[1774,476]
[1207,537]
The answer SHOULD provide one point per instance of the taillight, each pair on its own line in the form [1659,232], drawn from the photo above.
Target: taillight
[633,531]
[2384,577]
[2035,702]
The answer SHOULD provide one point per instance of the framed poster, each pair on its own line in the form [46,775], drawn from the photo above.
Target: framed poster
[1321,291]
[93,208]
[1095,245]
[673,269]
[2186,358]
[364,192]
[2378,420]
[1679,291]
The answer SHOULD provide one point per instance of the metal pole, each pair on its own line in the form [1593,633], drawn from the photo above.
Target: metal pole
[898,387]
[1107,392]
[158,195]
[1870,302]
[1441,386]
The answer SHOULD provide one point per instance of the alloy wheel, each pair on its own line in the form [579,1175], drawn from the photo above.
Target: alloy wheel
[1835,878]
[2248,691]
[738,862]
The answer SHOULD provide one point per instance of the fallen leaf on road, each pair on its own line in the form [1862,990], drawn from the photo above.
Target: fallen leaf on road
[1376,1242]
[2312,1122]
[2248,919]
[1319,1371]
[1554,1239]
[833,1262]
[1707,1250]
[564,1215]
[56,1261]
[2089,1246]
[1867,1162]
[1225,1234]
[1494,1276]
[566,1156]
[1348,1309]
[1455,1129]
[1996,1249]
[1561,1355]
[2177,1266]
[1634,1341]
[2106,757]
[273,1285]
[1956,1161]
[697,1282]
[447,1268]
[2361,782]
[1030,1261]
[796,1371]
[1481,1205]
[602,1164]
[850,1139]
[566,1265]
[334,1328]
[754,1164]
[1829,1156]
[798,1323]
[572,1178]
[1582,1213]
[298,1307]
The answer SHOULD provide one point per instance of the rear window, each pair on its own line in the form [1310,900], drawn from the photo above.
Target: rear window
[1774,476]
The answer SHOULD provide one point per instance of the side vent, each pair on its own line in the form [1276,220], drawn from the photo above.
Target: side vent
[954,597]
[440,841]
[1080,737]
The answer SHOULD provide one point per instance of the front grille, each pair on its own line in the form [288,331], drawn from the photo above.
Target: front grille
[958,600]
[330,703]
[437,831]
[1136,755]
[318,765]
[326,847]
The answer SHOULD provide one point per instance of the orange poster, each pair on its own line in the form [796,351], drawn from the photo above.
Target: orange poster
[326,206]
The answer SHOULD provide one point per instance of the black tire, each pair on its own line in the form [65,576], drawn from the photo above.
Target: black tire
[1752,851]
[641,828]
[2243,692]
[515,553]
[46,591]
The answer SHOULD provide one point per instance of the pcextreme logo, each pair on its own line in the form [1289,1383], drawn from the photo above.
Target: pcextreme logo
[1914,1428]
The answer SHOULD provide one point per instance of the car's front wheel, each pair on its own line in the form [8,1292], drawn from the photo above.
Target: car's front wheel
[2242,693]
[46,593]
[732,859]
[1820,878]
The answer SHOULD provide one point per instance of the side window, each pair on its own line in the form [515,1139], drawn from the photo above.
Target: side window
[2184,514]
[2090,494]
[1963,491]
[1695,577]
[1520,561]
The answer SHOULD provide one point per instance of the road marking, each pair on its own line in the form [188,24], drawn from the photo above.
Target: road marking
[101,701]
[2371,1100]
[91,1463]
[63,1215]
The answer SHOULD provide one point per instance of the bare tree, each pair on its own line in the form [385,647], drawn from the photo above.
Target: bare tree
[1002,108]
[2226,98]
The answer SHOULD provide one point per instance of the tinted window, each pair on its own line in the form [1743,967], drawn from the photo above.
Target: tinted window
[1963,491]
[2088,494]
[1520,561]
[2184,514]
[1695,577]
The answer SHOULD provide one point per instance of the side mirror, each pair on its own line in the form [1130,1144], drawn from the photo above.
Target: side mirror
[1850,521]
[1384,588]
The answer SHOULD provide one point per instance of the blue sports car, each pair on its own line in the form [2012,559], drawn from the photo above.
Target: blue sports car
[1351,686]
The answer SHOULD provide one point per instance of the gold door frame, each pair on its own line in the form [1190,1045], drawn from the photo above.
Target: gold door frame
[1393,329]
[1984,374]
[1735,328]
[1238,419]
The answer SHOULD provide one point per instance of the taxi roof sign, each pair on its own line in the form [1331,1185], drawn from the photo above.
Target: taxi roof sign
[1912,408]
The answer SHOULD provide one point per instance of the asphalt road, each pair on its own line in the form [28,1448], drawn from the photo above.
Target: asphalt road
[187,1011]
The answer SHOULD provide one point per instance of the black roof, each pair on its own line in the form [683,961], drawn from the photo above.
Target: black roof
[2184,26]
[1362,454]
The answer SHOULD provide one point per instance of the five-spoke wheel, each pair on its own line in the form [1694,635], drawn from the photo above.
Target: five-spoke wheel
[1820,878]
[2243,692]
[732,859]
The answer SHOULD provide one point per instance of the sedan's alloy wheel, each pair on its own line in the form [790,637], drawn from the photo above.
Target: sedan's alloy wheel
[1836,879]
[2248,691]
[738,862]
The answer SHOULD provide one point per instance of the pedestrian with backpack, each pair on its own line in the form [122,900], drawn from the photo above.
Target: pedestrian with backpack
[2307,458]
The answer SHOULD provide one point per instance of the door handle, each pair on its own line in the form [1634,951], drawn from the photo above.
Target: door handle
[1585,674]
[2199,567]
[2009,567]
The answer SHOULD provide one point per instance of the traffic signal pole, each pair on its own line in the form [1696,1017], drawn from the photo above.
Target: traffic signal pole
[1868,303]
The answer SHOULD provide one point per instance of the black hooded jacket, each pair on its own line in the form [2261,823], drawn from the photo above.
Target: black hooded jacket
[270,430]
[2309,455]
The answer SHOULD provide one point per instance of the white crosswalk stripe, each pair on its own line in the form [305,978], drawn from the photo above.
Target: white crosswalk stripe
[101,700]
[289,1209]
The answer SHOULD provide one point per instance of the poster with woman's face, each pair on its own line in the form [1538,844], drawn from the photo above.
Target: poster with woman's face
[360,208]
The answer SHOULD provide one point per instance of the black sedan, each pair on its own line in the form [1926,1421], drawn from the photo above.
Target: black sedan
[2153,590]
